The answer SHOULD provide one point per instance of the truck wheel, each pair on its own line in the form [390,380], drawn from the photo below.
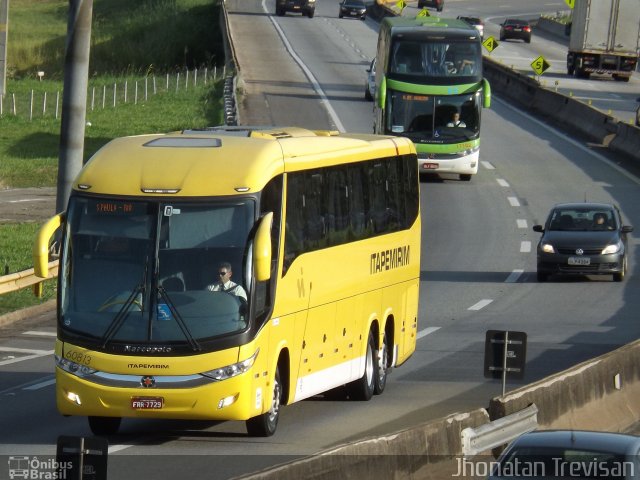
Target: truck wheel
[620,78]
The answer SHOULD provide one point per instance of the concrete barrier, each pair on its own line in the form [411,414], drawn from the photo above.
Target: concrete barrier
[424,451]
[566,112]
[599,394]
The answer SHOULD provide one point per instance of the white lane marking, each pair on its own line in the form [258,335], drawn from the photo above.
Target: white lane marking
[117,448]
[31,354]
[39,334]
[514,276]
[25,350]
[316,85]
[40,385]
[488,165]
[525,246]
[502,182]
[513,201]
[24,200]
[522,223]
[480,305]
[426,331]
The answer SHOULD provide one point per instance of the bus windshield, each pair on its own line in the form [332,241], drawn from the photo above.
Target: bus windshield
[137,271]
[435,62]
[434,118]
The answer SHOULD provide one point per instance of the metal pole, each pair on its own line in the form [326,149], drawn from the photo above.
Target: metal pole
[4,29]
[74,100]
[504,361]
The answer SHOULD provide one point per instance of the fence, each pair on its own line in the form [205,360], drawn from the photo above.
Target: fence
[102,95]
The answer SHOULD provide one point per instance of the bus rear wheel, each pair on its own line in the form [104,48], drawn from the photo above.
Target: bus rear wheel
[265,425]
[363,388]
[103,426]
[383,366]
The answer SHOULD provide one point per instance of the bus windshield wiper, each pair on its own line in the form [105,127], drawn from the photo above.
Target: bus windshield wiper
[195,346]
[120,317]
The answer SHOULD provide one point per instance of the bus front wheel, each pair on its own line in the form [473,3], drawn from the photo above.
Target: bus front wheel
[103,426]
[265,425]
[363,388]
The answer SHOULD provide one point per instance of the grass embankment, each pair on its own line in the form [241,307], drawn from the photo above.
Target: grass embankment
[131,40]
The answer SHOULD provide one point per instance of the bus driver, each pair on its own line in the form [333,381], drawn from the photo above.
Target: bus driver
[224,284]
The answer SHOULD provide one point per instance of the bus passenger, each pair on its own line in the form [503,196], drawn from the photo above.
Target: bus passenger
[224,284]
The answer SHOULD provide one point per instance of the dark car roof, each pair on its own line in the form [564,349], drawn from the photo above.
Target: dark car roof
[472,20]
[584,205]
[354,3]
[516,21]
[580,440]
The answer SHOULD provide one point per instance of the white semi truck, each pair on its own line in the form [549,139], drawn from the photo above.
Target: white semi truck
[605,38]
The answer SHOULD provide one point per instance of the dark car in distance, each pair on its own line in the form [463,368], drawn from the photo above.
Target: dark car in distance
[353,9]
[515,28]
[583,239]
[438,4]
[474,22]
[305,7]
[563,454]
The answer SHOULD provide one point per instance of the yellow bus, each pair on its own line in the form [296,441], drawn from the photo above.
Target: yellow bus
[319,229]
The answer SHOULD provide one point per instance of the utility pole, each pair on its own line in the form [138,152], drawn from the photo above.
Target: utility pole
[4,30]
[74,99]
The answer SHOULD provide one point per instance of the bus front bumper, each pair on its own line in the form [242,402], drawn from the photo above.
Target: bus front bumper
[465,163]
[237,398]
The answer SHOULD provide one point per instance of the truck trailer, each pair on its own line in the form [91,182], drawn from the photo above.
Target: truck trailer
[605,37]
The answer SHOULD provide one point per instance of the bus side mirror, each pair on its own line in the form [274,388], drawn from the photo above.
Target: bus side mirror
[486,91]
[381,93]
[41,246]
[262,249]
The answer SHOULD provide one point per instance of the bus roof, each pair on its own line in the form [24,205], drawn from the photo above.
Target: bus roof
[433,24]
[222,160]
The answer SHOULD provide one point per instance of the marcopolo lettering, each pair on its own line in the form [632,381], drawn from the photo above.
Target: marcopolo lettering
[389,259]
[146,349]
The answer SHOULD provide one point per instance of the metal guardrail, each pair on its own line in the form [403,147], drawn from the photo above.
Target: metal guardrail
[499,432]
[19,280]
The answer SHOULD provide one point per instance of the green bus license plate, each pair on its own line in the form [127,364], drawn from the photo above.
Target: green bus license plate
[579,261]
[147,403]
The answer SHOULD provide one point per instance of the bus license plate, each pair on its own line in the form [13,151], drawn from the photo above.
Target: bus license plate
[579,261]
[147,403]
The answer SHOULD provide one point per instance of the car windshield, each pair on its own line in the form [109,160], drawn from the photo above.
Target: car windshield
[582,219]
[135,271]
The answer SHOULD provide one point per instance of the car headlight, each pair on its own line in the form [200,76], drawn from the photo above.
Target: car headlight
[233,370]
[547,248]
[615,248]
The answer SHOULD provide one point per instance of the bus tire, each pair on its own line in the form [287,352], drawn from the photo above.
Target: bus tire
[383,366]
[265,425]
[363,388]
[465,177]
[103,426]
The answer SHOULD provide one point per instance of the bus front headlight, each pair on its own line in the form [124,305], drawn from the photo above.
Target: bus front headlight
[233,370]
[74,368]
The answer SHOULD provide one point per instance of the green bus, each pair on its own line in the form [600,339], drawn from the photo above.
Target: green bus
[430,89]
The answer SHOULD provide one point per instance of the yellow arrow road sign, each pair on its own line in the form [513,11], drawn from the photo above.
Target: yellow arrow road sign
[540,65]
[490,44]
